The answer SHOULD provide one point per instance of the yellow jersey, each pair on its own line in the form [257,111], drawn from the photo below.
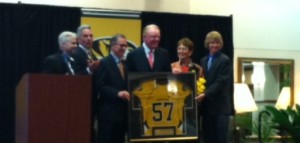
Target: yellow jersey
[162,107]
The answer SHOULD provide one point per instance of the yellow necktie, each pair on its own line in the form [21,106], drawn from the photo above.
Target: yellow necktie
[121,68]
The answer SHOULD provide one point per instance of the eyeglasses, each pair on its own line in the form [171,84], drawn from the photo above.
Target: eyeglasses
[123,45]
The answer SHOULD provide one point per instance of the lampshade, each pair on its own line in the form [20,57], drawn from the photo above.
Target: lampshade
[283,100]
[243,99]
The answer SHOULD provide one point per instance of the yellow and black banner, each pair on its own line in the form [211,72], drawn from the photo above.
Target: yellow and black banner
[105,27]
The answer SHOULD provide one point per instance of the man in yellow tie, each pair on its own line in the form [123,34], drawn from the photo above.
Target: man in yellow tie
[111,86]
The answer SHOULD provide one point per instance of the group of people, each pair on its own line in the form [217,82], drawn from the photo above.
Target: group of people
[110,75]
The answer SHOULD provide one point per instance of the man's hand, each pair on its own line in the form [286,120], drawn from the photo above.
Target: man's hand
[124,95]
[200,97]
[93,65]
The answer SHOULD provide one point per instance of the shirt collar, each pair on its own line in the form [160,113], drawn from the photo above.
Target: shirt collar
[146,49]
[67,57]
[116,58]
[213,56]
[83,48]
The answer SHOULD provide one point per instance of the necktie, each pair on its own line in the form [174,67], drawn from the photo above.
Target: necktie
[209,63]
[150,58]
[70,68]
[90,54]
[68,61]
[121,68]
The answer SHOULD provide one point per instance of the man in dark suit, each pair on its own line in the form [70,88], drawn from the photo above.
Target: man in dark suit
[149,57]
[86,63]
[111,84]
[216,103]
[62,62]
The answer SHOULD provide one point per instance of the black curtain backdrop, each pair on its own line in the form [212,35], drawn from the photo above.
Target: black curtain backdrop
[176,26]
[28,33]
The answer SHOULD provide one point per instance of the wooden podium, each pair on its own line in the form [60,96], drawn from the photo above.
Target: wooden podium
[53,109]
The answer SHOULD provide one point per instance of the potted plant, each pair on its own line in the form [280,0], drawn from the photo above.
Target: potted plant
[287,121]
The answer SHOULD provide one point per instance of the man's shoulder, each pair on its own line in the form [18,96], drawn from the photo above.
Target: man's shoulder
[135,51]
[139,49]
[106,58]
[77,50]
[160,49]
[224,56]
[54,56]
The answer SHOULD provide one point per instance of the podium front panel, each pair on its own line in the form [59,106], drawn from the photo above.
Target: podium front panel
[53,109]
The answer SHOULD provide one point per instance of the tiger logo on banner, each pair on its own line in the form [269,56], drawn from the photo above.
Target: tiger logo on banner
[101,47]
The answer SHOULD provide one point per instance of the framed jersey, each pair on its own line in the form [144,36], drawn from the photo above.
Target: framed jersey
[162,107]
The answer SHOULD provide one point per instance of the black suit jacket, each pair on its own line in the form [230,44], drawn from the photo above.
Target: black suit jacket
[137,61]
[218,83]
[81,59]
[109,82]
[55,64]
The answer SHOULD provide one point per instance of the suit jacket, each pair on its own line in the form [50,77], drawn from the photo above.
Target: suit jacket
[137,61]
[81,58]
[109,82]
[55,64]
[218,99]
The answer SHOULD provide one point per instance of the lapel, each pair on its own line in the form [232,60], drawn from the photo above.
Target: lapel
[114,67]
[61,61]
[214,65]
[215,62]
[65,63]
[82,54]
[156,59]
[144,60]
[204,64]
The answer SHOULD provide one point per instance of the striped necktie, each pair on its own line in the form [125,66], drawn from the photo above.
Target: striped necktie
[68,61]
[209,63]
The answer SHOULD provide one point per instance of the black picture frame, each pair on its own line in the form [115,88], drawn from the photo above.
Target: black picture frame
[162,107]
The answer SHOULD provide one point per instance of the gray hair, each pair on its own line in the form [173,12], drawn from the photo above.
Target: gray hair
[115,38]
[149,27]
[81,28]
[65,37]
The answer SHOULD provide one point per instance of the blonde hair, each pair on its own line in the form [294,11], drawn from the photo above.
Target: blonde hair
[213,36]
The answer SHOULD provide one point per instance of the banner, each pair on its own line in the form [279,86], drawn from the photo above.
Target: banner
[104,28]
[162,107]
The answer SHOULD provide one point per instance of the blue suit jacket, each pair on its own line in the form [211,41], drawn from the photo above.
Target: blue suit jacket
[218,99]
[137,61]
[109,82]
